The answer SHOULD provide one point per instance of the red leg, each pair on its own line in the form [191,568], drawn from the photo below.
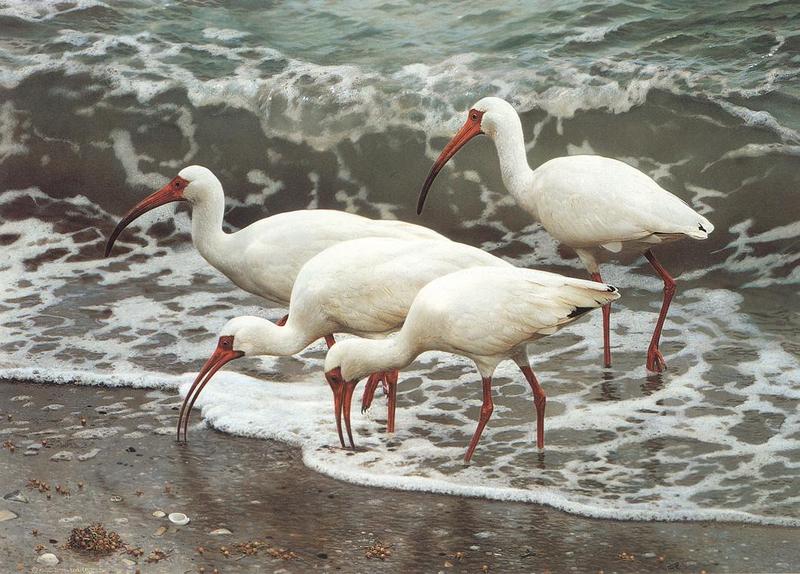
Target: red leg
[369,391]
[330,341]
[606,327]
[347,396]
[655,360]
[486,412]
[282,321]
[391,382]
[540,400]
[337,408]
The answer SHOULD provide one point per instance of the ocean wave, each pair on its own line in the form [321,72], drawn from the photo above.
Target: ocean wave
[322,104]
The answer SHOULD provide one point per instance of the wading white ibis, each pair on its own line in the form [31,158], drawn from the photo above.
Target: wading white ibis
[595,205]
[485,314]
[364,286]
[265,257]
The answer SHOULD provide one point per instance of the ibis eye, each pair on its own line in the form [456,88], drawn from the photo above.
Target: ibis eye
[474,117]
[177,184]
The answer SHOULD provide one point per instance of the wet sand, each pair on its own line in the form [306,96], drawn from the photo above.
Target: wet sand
[261,491]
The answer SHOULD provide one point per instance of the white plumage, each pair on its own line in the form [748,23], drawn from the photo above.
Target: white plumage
[596,205]
[363,286]
[265,257]
[485,314]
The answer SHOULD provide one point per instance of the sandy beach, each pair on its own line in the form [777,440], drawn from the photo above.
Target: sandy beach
[269,504]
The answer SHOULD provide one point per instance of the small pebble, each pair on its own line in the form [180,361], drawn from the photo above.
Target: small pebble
[70,519]
[89,455]
[16,496]
[64,455]
[220,531]
[7,515]
[48,559]
[159,513]
[103,432]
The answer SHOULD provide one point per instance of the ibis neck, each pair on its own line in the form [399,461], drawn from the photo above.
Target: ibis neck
[510,143]
[374,355]
[207,234]
[281,341]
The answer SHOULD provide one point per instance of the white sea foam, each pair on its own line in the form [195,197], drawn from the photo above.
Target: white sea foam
[38,10]
[761,150]
[11,142]
[590,35]
[223,34]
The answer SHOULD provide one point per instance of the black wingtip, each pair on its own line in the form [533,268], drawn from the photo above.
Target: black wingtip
[578,311]
[611,288]
[703,229]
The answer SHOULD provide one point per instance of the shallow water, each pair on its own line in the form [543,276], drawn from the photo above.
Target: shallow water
[100,103]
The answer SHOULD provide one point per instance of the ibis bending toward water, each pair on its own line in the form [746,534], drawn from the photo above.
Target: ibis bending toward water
[595,205]
[364,286]
[265,257]
[485,314]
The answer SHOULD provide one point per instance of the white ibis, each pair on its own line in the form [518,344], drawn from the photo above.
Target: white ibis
[264,257]
[364,286]
[485,314]
[596,205]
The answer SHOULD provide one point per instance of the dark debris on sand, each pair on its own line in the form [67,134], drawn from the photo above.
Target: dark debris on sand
[378,550]
[253,547]
[156,555]
[94,539]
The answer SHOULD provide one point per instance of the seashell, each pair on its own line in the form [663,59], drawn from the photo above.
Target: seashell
[178,518]
[159,513]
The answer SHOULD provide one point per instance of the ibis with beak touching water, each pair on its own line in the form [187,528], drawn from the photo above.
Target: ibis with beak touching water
[364,286]
[485,314]
[596,205]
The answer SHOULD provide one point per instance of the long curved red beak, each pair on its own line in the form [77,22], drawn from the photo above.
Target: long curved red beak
[470,129]
[173,191]
[224,353]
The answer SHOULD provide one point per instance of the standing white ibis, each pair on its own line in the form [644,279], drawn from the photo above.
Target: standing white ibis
[485,314]
[364,286]
[595,205]
[265,257]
